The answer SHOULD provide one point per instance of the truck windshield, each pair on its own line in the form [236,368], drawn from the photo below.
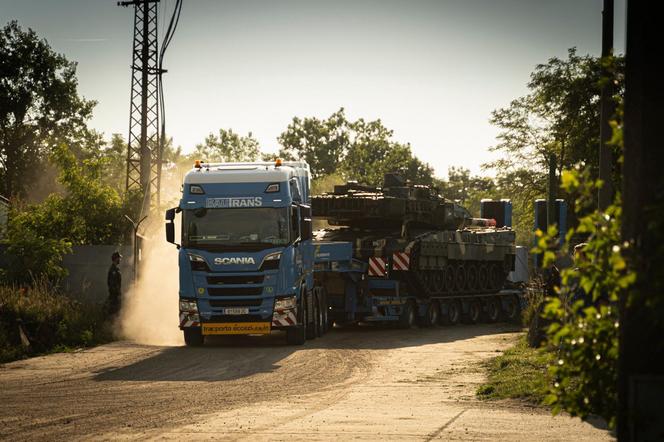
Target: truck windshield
[223,227]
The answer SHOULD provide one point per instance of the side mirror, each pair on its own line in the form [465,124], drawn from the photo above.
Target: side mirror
[170,225]
[170,232]
[305,223]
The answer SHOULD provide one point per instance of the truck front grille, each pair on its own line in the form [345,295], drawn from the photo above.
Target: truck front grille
[235,291]
[235,302]
[236,279]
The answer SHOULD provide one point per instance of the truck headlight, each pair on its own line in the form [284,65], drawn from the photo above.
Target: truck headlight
[271,261]
[198,262]
[187,305]
[285,303]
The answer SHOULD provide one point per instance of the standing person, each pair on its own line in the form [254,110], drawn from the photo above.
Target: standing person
[114,282]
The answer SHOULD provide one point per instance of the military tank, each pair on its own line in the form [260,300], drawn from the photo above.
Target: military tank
[429,243]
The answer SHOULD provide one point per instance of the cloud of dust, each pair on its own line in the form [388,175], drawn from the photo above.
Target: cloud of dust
[149,313]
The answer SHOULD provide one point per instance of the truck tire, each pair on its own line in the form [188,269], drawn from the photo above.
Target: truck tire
[492,309]
[312,315]
[452,314]
[474,313]
[431,315]
[317,322]
[511,309]
[193,337]
[297,334]
[407,318]
[326,320]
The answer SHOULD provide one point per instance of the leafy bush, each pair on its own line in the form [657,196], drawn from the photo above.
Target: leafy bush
[90,212]
[584,329]
[48,320]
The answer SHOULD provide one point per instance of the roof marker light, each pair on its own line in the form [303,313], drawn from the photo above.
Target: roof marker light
[195,189]
[197,164]
[274,187]
[278,162]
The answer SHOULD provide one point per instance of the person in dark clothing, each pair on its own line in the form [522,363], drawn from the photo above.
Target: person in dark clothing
[114,282]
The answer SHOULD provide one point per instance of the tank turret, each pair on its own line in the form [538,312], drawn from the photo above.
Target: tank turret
[396,204]
[448,252]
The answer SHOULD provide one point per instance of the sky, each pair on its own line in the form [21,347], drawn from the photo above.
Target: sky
[431,70]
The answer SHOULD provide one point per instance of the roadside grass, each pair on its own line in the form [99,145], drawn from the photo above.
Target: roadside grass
[37,320]
[519,373]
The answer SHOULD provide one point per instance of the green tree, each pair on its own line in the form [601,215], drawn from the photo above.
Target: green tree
[39,106]
[321,143]
[227,146]
[357,150]
[88,212]
[559,116]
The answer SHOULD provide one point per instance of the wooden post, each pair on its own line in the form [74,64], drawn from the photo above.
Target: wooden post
[641,359]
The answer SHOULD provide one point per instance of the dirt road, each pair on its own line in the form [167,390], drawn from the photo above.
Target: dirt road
[362,383]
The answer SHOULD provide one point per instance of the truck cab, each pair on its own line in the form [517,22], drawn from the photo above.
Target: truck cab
[246,254]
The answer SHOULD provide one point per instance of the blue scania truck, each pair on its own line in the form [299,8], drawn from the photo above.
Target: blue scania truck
[249,263]
[246,255]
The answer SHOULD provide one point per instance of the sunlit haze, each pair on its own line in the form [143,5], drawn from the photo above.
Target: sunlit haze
[432,71]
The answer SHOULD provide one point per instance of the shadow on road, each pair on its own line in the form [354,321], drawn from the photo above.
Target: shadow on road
[226,358]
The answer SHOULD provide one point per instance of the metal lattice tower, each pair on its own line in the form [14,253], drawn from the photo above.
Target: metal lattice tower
[144,150]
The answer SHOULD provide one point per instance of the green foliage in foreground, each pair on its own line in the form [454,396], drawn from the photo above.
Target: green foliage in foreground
[583,334]
[50,321]
[519,373]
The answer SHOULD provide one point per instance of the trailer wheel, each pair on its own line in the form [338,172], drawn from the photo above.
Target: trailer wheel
[320,319]
[451,314]
[407,318]
[324,309]
[193,337]
[431,315]
[511,309]
[492,309]
[472,316]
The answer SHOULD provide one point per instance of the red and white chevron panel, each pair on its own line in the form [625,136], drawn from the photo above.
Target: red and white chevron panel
[400,261]
[284,319]
[377,266]
[186,322]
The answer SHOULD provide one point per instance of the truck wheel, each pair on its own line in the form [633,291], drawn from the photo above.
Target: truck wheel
[297,335]
[492,309]
[511,309]
[472,316]
[311,321]
[431,315]
[193,337]
[452,314]
[407,318]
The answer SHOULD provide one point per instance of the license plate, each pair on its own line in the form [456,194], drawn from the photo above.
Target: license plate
[236,311]
[237,328]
